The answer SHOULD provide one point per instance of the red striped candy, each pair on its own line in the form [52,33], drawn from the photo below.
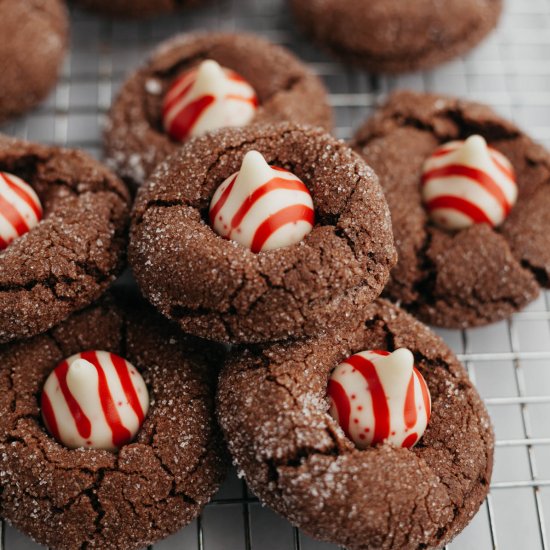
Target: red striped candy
[377,397]
[468,182]
[20,208]
[94,399]
[207,98]
[262,207]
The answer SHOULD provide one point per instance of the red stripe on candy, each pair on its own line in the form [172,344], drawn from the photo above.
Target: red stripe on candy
[173,98]
[379,402]
[49,416]
[273,184]
[184,121]
[121,368]
[22,194]
[409,411]
[456,203]
[179,87]
[290,214]
[425,394]
[215,210]
[341,401]
[478,176]
[380,352]
[121,435]
[409,441]
[504,169]
[442,151]
[232,75]
[13,216]
[83,424]
[253,100]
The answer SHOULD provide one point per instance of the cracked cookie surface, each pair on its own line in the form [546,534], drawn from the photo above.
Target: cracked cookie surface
[32,53]
[135,141]
[89,498]
[218,289]
[135,8]
[394,37]
[273,409]
[478,275]
[68,260]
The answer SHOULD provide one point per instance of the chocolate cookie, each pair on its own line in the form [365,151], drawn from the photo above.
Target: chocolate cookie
[68,259]
[135,140]
[480,274]
[394,37]
[82,498]
[134,8]
[31,53]
[218,289]
[273,408]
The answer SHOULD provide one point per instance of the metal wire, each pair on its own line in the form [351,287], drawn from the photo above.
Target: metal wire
[509,361]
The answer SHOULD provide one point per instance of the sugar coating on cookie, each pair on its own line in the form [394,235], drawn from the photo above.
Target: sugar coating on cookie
[377,396]
[317,478]
[94,399]
[207,98]
[20,208]
[468,182]
[262,207]
[68,259]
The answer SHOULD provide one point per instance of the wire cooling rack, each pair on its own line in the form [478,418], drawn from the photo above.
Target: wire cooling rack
[509,361]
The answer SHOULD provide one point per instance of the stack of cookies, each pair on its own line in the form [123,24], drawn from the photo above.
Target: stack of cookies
[108,437]
[267,255]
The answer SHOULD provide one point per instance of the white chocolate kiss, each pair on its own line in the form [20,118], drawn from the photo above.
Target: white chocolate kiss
[117,405]
[206,99]
[378,397]
[262,207]
[467,182]
[20,208]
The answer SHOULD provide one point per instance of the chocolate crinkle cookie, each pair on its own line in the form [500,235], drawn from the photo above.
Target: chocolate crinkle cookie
[392,36]
[480,273]
[137,136]
[135,8]
[273,407]
[217,288]
[32,48]
[63,231]
[91,498]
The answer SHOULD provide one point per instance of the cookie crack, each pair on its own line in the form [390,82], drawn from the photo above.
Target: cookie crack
[88,268]
[301,452]
[541,273]
[52,282]
[160,203]
[178,312]
[453,113]
[104,187]
[244,144]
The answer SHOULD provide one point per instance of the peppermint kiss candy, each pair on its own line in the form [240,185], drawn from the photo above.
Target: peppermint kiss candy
[205,99]
[379,396]
[262,207]
[468,182]
[20,208]
[94,399]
